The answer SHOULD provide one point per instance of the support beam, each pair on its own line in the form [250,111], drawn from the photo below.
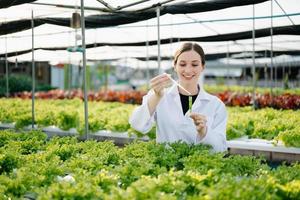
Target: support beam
[253,61]
[33,73]
[86,125]
[158,38]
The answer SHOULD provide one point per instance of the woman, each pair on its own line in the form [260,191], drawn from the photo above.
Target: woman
[169,108]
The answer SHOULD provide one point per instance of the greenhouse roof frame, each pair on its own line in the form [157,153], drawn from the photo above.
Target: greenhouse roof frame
[291,18]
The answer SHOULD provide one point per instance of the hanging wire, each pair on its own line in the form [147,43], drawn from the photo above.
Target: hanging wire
[205,26]
[106,5]
[155,5]
[131,4]
[284,12]
[72,7]
[213,20]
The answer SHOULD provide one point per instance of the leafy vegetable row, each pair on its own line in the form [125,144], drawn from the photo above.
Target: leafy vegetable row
[63,168]
[266,123]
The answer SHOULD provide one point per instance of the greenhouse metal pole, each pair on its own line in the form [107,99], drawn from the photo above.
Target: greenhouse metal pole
[283,74]
[266,72]
[253,59]
[147,57]
[147,62]
[227,64]
[275,66]
[158,38]
[86,126]
[69,66]
[271,51]
[16,61]
[33,72]
[6,68]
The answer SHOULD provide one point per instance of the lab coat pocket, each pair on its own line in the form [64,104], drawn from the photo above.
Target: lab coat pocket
[188,130]
[209,122]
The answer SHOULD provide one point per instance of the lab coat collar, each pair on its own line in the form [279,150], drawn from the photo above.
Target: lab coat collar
[173,91]
[202,96]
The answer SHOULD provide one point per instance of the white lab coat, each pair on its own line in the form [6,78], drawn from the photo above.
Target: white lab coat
[172,125]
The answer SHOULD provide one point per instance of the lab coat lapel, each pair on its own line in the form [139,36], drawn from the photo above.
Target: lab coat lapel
[175,96]
[201,98]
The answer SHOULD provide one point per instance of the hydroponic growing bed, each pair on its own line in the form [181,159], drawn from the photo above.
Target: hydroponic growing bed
[276,130]
[34,167]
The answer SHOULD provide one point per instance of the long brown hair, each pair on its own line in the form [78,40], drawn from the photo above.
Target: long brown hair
[188,46]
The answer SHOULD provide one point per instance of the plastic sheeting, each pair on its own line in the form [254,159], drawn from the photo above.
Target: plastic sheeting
[8,3]
[196,25]
[284,30]
[126,17]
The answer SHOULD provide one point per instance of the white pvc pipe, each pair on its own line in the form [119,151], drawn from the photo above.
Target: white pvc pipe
[86,127]
[158,38]
[147,59]
[227,63]
[6,68]
[33,71]
[253,58]
[271,51]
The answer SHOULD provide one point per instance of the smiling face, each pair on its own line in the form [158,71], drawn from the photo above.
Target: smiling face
[189,67]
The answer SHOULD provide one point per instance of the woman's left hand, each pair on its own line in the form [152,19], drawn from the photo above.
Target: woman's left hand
[200,123]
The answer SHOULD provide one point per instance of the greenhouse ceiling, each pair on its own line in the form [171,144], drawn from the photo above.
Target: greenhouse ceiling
[119,25]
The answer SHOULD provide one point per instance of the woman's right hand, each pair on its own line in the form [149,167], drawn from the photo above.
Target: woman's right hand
[158,83]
